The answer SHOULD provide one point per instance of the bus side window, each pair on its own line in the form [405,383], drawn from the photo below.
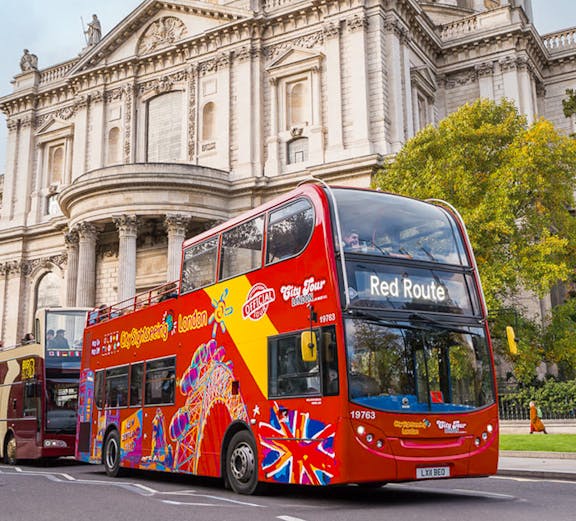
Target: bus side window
[117,387]
[289,375]
[30,398]
[136,372]
[242,248]
[289,230]
[199,267]
[330,361]
[160,381]
[99,389]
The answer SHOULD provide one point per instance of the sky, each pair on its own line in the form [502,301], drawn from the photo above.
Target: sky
[53,30]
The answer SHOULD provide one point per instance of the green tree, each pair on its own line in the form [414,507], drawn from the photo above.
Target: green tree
[560,339]
[513,185]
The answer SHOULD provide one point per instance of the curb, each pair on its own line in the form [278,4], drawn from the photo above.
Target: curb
[537,474]
[537,454]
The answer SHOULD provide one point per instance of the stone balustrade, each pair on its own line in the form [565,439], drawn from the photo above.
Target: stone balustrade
[55,73]
[561,40]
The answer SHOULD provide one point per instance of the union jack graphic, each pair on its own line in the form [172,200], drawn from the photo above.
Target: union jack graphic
[297,449]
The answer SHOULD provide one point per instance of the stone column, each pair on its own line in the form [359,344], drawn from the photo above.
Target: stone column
[356,27]
[176,225]
[335,147]
[272,165]
[86,282]
[395,31]
[71,240]
[127,231]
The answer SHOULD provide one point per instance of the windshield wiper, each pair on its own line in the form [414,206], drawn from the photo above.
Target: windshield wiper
[370,317]
[439,326]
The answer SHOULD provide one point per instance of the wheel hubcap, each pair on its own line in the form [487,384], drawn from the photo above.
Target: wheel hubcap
[243,463]
[111,453]
[11,449]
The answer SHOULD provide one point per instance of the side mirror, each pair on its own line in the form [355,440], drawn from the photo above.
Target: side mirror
[309,346]
[512,340]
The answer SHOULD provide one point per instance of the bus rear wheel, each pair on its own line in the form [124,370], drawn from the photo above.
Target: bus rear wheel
[242,463]
[10,450]
[111,454]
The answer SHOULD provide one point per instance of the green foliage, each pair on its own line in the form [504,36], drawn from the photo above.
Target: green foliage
[569,104]
[511,182]
[531,350]
[553,397]
[560,338]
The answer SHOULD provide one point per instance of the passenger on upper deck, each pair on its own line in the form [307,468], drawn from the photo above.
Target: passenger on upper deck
[59,341]
[351,240]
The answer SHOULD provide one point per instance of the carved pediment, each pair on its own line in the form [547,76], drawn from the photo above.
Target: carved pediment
[156,25]
[161,33]
[294,60]
[52,124]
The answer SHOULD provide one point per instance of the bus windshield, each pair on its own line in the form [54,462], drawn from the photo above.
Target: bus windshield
[386,225]
[400,367]
[61,405]
[63,339]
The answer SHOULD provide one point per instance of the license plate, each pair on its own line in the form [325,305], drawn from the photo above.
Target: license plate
[432,472]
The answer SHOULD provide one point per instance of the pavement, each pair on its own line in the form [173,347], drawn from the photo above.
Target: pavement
[541,465]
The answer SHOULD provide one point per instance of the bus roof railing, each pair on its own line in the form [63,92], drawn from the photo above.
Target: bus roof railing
[139,301]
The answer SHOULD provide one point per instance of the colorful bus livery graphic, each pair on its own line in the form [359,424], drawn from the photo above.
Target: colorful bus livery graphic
[288,356]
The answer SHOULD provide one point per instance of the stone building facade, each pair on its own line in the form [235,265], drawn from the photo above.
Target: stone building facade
[189,112]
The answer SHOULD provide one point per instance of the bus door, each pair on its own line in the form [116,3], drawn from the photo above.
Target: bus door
[303,378]
[26,407]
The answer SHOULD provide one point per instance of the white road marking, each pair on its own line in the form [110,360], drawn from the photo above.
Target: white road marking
[290,518]
[534,480]
[132,487]
[183,503]
[474,493]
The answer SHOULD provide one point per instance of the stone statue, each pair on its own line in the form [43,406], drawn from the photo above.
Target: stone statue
[28,62]
[492,4]
[94,31]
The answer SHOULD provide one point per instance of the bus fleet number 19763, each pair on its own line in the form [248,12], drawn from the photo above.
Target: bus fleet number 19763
[363,415]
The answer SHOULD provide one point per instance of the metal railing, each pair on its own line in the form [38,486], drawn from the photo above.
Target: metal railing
[513,411]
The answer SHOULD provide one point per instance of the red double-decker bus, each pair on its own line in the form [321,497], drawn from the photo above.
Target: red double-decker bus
[39,388]
[332,335]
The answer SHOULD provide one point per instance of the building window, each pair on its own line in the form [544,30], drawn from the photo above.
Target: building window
[48,291]
[165,115]
[113,146]
[208,122]
[422,109]
[297,150]
[52,206]
[297,104]
[56,165]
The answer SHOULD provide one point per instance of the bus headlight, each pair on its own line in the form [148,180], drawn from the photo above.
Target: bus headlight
[489,428]
[52,444]
[360,430]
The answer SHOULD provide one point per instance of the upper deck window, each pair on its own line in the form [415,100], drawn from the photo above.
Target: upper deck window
[393,226]
[199,265]
[242,248]
[63,339]
[289,230]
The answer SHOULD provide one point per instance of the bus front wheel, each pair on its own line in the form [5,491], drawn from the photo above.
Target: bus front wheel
[10,450]
[242,463]
[111,456]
